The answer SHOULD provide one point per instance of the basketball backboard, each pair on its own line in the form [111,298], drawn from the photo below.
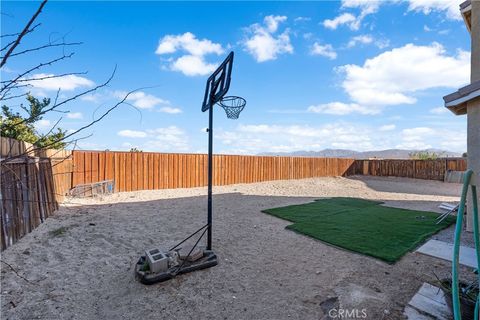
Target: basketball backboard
[218,83]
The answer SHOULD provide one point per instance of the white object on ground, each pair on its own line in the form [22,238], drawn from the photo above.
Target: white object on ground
[450,210]
[157,260]
[447,206]
[444,250]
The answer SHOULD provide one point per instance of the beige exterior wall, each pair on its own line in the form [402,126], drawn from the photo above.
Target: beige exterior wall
[475,34]
[473,107]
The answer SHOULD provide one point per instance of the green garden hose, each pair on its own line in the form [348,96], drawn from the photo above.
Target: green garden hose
[456,248]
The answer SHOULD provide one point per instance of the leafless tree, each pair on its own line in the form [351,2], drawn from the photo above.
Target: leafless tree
[16,85]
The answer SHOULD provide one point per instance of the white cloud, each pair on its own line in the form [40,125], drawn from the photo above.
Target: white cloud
[191,65]
[169,138]
[414,145]
[449,7]
[456,142]
[366,7]
[93,97]
[393,77]
[427,137]
[415,138]
[141,99]
[302,19]
[43,124]
[323,50]
[272,22]
[345,18]
[258,138]
[74,115]
[439,110]
[263,43]
[340,108]
[132,134]
[307,35]
[286,138]
[368,39]
[387,127]
[64,83]
[363,39]
[171,130]
[164,139]
[170,110]
[192,62]
[416,133]
[189,43]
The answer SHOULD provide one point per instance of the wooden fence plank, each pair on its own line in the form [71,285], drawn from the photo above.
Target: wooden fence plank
[109,166]
[128,171]
[142,171]
[155,170]
[122,173]
[136,166]
[88,167]
[78,168]
[94,167]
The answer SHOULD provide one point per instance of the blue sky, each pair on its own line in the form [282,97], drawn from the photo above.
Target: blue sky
[361,75]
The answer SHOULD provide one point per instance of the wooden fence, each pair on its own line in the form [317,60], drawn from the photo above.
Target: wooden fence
[146,171]
[33,182]
[417,169]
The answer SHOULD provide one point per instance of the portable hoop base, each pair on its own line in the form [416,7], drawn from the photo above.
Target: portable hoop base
[208,260]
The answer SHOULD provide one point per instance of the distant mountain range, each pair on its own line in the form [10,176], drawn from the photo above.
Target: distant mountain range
[342,153]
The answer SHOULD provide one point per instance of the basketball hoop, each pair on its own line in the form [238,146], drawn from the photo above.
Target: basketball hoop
[232,105]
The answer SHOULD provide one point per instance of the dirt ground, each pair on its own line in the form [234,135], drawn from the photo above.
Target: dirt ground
[79,263]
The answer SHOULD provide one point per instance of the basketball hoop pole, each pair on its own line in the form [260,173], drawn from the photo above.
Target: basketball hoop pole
[210,169]
[217,86]
[210,164]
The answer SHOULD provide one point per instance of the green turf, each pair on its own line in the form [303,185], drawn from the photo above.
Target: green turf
[362,226]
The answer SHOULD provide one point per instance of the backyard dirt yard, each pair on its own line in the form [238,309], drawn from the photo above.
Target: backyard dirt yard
[79,263]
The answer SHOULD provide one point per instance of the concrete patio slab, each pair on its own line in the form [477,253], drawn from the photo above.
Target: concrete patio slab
[428,303]
[444,250]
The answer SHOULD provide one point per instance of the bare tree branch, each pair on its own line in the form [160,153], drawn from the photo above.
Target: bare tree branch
[13,97]
[43,64]
[55,106]
[53,127]
[84,92]
[47,77]
[46,146]
[96,120]
[7,45]
[22,34]
[17,33]
[50,45]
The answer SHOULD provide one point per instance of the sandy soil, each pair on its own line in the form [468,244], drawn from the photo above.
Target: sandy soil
[264,271]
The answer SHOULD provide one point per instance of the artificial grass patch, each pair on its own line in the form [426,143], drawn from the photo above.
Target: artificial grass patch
[362,226]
